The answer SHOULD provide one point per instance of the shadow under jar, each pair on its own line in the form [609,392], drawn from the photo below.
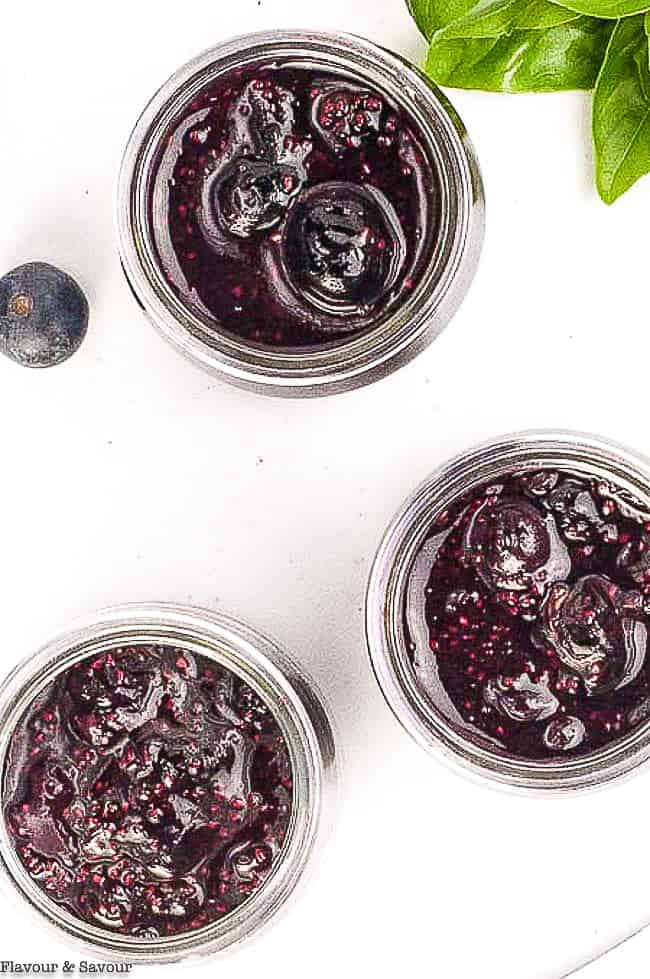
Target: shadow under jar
[508,611]
[300,213]
[166,773]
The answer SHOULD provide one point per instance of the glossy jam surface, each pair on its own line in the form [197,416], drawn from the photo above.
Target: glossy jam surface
[531,622]
[148,791]
[293,207]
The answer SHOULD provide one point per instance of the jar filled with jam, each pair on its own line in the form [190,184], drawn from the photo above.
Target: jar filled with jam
[299,212]
[166,774]
[509,611]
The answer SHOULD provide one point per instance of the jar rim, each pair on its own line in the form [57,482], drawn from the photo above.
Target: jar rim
[296,706]
[413,325]
[386,592]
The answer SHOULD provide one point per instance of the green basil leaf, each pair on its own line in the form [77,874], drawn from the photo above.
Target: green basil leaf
[554,56]
[621,118]
[611,9]
[498,17]
[431,15]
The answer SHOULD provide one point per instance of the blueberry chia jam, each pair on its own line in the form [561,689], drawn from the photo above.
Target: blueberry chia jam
[299,212]
[293,206]
[538,608]
[147,791]
[508,611]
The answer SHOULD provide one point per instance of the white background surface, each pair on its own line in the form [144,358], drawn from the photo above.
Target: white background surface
[127,474]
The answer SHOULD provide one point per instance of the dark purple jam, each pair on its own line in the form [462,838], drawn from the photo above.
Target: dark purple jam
[294,207]
[148,791]
[533,626]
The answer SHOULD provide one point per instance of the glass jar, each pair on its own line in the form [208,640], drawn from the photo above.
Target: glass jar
[322,368]
[403,569]
[296,708]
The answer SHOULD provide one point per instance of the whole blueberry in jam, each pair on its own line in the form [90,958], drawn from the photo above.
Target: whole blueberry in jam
[342,250]
[533,625]
[43,315]
[148,791]
[293,207]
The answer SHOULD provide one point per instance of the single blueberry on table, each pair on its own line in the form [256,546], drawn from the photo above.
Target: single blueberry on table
[43,315]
